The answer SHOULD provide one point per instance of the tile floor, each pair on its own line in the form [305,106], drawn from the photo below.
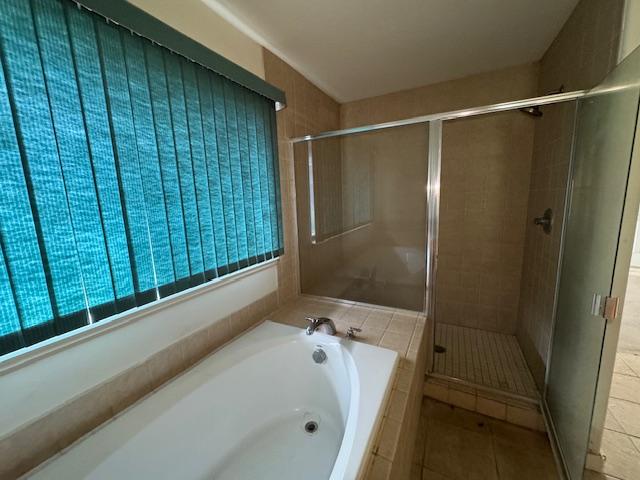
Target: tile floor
[629,341]
[454,443]
[484,358]
[621,438]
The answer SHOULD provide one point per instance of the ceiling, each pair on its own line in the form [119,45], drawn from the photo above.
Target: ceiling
[355,49]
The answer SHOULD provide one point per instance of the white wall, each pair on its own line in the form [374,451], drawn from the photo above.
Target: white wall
[630,38]
[31,389]
[196,20]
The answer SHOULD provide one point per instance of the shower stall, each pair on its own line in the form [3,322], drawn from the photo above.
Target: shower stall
[460,215]
[432,214]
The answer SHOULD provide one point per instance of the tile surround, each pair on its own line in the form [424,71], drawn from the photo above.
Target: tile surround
[393,448]
[518,411]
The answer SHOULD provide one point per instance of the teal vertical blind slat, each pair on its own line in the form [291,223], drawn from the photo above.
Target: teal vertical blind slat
[25,281]
[254,167]
[233,142]
[25,79]
[129,172]
[185,165]
[213,170]
[84,46]
[64,101]
[264,178]
[225,171]
[148,159]
[272,177]
[168,161]
[199,161]
[245,169]
[127,164]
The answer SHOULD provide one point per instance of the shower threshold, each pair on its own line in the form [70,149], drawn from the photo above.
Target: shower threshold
[483,359]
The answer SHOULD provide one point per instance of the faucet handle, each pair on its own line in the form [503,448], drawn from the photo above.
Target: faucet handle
[351,332]
[313,323]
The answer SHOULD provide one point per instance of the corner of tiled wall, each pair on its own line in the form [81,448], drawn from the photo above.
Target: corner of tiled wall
[308,110]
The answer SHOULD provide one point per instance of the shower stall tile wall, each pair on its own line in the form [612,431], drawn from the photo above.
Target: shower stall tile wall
[484,191]
[579,58]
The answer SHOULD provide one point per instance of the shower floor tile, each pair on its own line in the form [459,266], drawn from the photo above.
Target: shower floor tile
[484,358]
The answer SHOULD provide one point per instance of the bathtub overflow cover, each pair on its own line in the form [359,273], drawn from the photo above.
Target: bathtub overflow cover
[311,427]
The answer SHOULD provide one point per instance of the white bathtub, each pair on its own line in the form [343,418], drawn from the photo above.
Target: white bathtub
[241,414]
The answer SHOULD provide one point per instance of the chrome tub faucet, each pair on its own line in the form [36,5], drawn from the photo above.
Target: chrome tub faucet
[324,324]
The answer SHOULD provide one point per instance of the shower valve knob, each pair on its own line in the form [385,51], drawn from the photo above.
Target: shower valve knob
[545,221]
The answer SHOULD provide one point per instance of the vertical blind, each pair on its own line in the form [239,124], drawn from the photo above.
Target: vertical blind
[129,173]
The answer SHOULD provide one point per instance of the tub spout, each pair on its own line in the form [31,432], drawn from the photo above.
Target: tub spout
[316,323]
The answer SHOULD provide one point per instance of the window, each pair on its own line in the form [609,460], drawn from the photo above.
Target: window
[129,172]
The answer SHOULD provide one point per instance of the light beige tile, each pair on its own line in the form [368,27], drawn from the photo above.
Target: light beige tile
[591,475]
[625,387]
[459,453]
[389,436]
[519,464]
[632,363]
[627,415]
[622,459]
[431,475]
[397,405]
[128,387]
[524,417]
[378,319]
[436,391]
[611,422]
[219,334]
[380,469]
[403,380]
[395,341]
[165,364]
[517,437]
[462,399]
[491,408]
[622,367]
[370,335]
[401,326]
[456,417]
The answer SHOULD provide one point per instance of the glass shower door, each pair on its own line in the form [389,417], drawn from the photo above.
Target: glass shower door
[604,136]
[361,203]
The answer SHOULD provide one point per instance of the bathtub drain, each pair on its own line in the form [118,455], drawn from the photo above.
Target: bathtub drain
[311,427]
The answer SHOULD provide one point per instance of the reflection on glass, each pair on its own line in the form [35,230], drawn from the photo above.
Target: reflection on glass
[362,216]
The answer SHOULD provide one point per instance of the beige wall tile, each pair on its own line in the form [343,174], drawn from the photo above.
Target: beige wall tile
[389,436]
[581,56]
[491,408]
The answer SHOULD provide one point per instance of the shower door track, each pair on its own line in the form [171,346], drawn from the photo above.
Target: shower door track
[451,115]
